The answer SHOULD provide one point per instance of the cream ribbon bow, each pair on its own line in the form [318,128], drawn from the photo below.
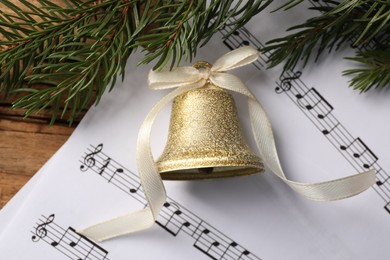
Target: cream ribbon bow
[185,79]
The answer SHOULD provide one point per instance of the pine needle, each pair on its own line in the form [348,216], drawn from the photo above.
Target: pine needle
[75,49]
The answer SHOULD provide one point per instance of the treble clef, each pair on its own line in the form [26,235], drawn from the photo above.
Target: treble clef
[285,83]
[89,160]
[40,230]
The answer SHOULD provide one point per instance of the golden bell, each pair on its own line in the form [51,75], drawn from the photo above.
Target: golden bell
[205,139]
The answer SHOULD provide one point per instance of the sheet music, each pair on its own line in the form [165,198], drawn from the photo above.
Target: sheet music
[66,241]
[323,130]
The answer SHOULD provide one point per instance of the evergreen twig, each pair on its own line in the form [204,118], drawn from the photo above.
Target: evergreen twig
[375,73]
[340,22]
[76,49]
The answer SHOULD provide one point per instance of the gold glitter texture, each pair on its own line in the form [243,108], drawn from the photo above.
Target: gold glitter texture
[205,139]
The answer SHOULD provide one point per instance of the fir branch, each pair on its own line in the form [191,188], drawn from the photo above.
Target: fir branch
[339,22]
[66,51]
[76,48]
[374,74]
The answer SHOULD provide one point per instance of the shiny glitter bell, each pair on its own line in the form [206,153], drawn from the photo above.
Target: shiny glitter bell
[205,139]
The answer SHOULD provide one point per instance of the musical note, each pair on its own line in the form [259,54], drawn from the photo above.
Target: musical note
[360,150]
[68,241]
[206,244]
[244,253]
[328,131]
[241,37]
[231,252]
[56,243]
[235,36]
[245,43]
[312,99]
[231,245]
[132,190]
[322,119]
[40,230]
[285,83]
[85,246]
[242,41]
[69,234]
[174,218]
[380,182]
[73,244]
[379,173]
[174,223]
[244,35]
[118,170]
[89,159]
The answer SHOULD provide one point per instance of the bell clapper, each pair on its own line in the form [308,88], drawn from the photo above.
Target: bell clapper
[206,170]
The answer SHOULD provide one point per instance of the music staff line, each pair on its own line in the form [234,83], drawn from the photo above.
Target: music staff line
[67,241]
[352,149]
[124,182]
[174,218]
[314,103]
[127,180]
[320,112]
[82,246]
[328,124]
[174,223]
[235,42]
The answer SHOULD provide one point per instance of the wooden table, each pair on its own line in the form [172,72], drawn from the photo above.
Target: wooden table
[25,145]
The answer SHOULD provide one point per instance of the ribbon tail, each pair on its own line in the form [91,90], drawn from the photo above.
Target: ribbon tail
[151,182]
[261,127]
[132,222]
[322,191]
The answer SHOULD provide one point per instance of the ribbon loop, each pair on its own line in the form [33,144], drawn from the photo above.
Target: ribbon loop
[235,59]
[185,79]
[177,77]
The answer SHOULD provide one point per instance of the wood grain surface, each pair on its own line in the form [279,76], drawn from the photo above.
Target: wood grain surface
[25,144]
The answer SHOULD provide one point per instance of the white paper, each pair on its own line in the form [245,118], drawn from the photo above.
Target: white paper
[253,217]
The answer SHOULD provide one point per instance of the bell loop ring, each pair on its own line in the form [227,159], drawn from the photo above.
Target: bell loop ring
[204,68]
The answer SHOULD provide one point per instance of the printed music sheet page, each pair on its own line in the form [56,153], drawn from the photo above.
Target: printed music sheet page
[323,130]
